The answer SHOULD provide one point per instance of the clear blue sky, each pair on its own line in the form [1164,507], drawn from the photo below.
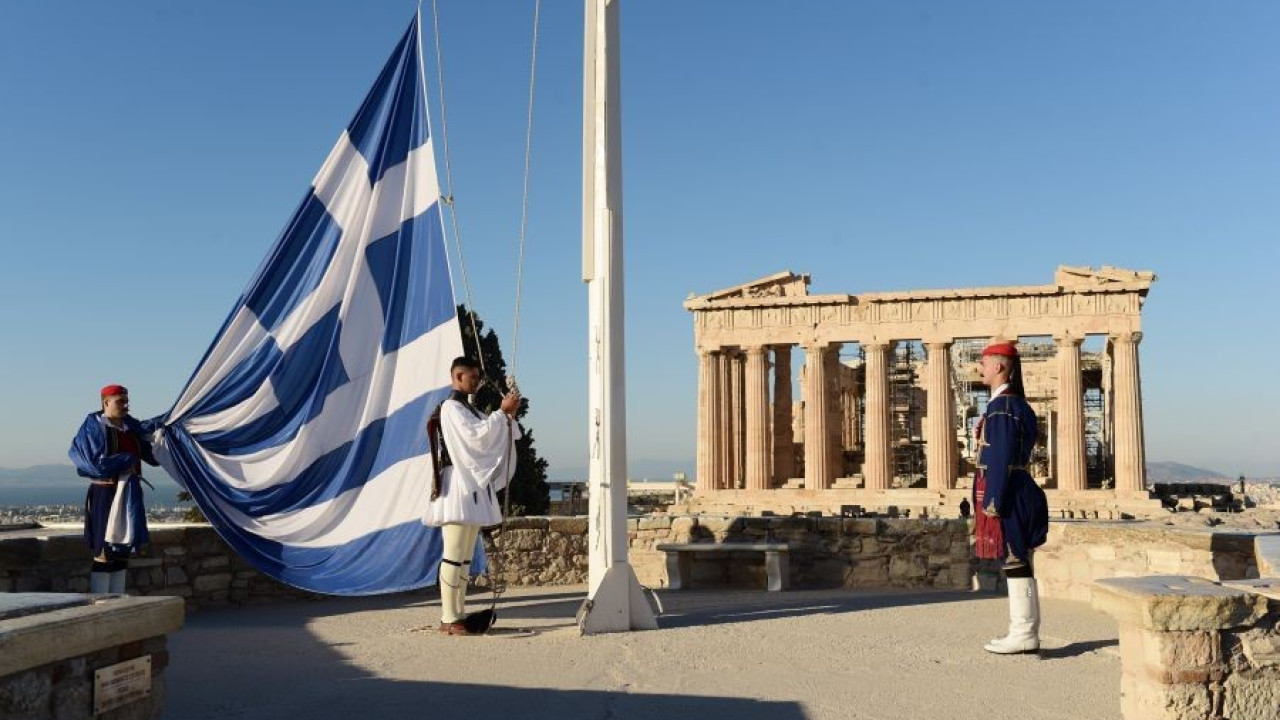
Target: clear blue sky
[152,151]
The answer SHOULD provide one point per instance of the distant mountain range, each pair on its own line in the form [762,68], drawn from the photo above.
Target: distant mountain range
[1172,472]
[62,476]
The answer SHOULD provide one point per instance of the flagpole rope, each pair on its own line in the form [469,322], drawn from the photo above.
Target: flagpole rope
[497,587]
[524,203]
[448,199]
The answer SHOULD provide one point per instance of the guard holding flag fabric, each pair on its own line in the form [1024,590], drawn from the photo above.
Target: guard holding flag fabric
[474,456]
[1012,513]
[109,450]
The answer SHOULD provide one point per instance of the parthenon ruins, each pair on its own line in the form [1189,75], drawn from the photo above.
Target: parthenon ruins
[884,375]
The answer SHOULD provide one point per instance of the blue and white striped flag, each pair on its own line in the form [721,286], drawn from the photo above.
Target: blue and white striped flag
[301,434]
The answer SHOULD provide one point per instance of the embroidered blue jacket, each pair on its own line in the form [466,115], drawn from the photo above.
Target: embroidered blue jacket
[1009,430]
[91,456]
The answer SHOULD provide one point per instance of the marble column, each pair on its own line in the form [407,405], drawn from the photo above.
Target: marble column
[1072,474]
[725,409]
[818,472]
[835,413]
[784,455]
[877,469]
[1131,472]
[737,415]
[941,447]
[709,434]
[759,459]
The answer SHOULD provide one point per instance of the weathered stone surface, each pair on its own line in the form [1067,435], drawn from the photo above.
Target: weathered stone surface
[74,697]
[214,563]
[25,694]
[19,553]
[654,523]
[715,524]
[1266,549]
[682,525]
[37,640]
[960,576]
[530,523]
[32,584]
[1252,697]
[215,582]
[1179,649]
[57,548]
[522,540]
[568,525]
[15,605]
[175,576]
[1262,649]
[1176,603]
[907,569]
[872,572]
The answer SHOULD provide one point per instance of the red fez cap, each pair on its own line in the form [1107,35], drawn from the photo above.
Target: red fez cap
[110,390]
[1007,349]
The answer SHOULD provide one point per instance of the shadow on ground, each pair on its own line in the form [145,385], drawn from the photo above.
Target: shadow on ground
[269,662]
[689,608]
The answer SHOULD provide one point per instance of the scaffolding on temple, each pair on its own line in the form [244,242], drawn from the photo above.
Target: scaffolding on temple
[1095,373]
[970,401]
[905,416]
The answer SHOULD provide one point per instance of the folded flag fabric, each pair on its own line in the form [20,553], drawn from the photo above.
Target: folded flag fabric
[301,434]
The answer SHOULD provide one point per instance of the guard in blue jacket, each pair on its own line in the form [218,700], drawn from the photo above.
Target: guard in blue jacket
[1013,515]
[109,450]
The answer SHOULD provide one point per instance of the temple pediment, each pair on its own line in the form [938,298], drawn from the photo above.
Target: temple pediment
[1075,275]
[778,285]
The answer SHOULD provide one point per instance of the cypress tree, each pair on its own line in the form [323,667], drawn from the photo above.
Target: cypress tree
[530,494]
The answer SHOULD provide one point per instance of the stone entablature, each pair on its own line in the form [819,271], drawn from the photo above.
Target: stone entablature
[745,335]
[1080,302]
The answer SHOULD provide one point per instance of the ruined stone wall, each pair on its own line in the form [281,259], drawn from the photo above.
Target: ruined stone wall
[543,551]
[189,562]
[1078,553]
[1192,649]
[193,563]
[827,552]
[64,689]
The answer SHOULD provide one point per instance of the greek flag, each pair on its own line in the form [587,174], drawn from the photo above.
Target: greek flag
[301,434]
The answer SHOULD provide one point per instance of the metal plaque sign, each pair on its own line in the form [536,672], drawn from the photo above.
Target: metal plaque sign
[120,684]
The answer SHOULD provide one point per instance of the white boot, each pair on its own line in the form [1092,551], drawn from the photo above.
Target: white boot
[117,581]
[1024,620]
[99,582]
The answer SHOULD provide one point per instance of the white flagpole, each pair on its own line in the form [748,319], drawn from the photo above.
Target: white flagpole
[615,602]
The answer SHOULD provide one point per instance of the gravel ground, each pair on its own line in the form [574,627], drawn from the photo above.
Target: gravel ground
[743,655]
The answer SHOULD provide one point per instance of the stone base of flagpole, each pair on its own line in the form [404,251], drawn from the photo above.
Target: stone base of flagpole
[617,605]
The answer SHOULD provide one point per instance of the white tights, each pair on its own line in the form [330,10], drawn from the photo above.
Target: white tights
[455,569]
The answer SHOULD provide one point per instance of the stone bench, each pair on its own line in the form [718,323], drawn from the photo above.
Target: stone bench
[78,656]
[777,561]
[1193,649]
[1266,550]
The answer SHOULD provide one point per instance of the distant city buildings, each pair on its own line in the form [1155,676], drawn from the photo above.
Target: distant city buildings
[62,514]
